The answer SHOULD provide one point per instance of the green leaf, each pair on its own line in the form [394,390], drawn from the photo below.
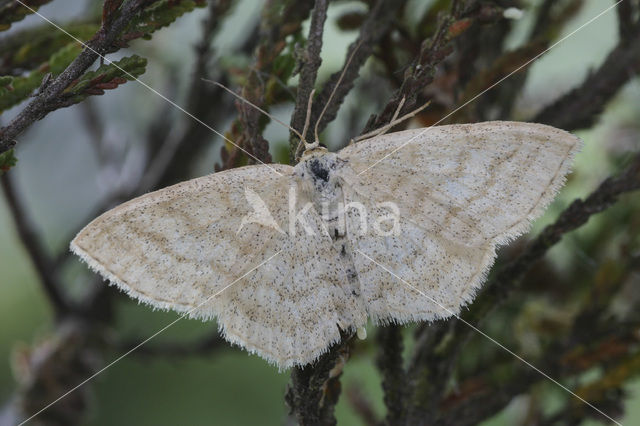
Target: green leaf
[14,90]
[160,15]
[29,48]
[283,66]
[7,160]
[14,12]
[106,77]
[60,60]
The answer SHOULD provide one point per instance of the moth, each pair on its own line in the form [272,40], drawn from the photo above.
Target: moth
[286,258]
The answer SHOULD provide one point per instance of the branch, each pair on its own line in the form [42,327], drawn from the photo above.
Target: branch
[42,263]
[315,388]
[550,18]
[309,71]
[374,28]
[391,367]
[52,94]
[280,19]
[421,71]
[486,392]
[580,107]
[625,19]
[180,150]
[429,369]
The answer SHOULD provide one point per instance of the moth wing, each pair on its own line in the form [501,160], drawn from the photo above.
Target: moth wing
[179,248]
[470,183]
[409,273]
[175,246]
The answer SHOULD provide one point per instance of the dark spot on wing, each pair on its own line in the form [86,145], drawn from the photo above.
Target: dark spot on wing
[351,274]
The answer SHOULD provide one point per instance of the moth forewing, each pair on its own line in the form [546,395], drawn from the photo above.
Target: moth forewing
[471,183]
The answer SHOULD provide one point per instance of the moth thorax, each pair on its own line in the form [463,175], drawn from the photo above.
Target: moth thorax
[317,173]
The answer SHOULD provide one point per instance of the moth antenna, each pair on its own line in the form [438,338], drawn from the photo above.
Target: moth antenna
[392,123]
[335,88]
[256,107]
[307,120]
[398,109]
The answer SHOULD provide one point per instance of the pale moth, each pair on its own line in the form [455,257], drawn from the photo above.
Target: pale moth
[280,254]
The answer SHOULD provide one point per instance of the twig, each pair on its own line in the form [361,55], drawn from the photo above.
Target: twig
[309,71]
[374,28]
[580,107]
[315,388]
[420,72]
[483,397]
[504,96]
[429,369]
[204,100]
[543,19]
[43,264]
[275,27]
[625,19]
[393,375]
[50,97]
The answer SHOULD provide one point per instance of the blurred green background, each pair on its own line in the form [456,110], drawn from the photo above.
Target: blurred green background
[57,176]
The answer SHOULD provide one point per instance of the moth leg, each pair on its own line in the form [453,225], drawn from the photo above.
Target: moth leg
[394,121]
[398,109]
